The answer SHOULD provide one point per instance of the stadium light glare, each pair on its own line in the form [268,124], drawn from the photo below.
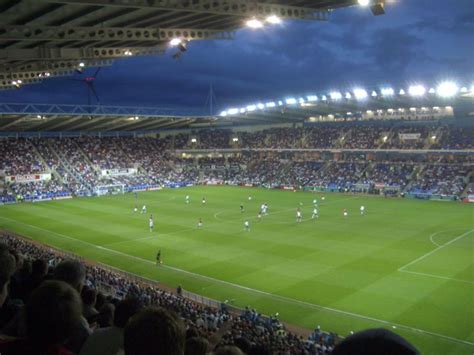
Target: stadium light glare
[193,140]
[436,108]
[280,103]
[363,2]
[81,65]
[251,108]
[270,104]
[360,94]
[243,110]
[431,91]
[374,93]
[447,89]
[273,19]
[433,137]
[369,112]
[301,100]
[254,23]
[324,98]
[128,53]
[223,114]
[175,42]
[335,95]
[312,98]
[235,139]
[291,101]
[416,90]
[348,96]
[260,106]
[232,111]
[387,92]
[463,90]
[402,92]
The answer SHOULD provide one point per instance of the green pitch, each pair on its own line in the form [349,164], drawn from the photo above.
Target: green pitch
[406,265]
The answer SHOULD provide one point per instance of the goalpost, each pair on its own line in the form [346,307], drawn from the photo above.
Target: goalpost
[113,189]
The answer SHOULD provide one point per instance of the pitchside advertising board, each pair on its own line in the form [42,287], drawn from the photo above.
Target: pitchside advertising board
[21,179]
[119,172]
[409,136]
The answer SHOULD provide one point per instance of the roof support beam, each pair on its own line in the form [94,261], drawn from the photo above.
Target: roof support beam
[45,53]
[242,8]
[50,33]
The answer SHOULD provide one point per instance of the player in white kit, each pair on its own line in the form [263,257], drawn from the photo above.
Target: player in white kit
[298,216]
[151,223]
[187,199]
[143,209]
[362,210]
[315,213]
[247,226]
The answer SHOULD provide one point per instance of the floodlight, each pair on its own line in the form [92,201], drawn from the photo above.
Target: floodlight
[175,42]
[291,101]
[38,116]
[436,108]
[369,112]
[128,53]
[374,93]
[273,19]
[348,95]
[193,140]
[390,110]
[387,92]
[243,110]
[251,108]
[447,89]
[363,2]
[260,106]
[137,118]
[223,114]
[254,23]
[232,111]
[349,114]
[312,98]
[335,95]
[280,103]
[360,94]
[431,91]
[301,100]
[270,104]
[463,90]
[81,65]
[324,98]
[416,90]
[402,92]
[433,137]
[235,139]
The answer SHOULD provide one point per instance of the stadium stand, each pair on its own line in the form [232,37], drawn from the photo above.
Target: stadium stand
[81,166]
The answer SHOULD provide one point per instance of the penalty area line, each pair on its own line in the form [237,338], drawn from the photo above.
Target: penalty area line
[268,294]
[435,250]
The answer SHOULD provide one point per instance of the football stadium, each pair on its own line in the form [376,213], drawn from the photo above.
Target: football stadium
[335,221]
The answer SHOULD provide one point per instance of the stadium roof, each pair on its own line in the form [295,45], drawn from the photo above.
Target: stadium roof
[45,38]
[16,117]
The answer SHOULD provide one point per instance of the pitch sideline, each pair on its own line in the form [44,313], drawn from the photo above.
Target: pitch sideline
[268,294]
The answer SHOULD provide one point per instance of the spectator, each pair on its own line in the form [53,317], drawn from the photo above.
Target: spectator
[108,341]
[375,342]
[52,313]
[154,331]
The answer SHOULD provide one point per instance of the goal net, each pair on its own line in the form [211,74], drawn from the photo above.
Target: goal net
[114,189]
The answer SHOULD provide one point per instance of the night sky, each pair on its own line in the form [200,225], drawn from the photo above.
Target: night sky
[422,41]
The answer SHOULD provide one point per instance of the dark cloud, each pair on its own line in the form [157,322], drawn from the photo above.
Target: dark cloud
[422,40]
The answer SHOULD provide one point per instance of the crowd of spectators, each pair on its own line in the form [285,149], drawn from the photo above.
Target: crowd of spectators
[440,179]
[87,309]
[77,164]
[17,157]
